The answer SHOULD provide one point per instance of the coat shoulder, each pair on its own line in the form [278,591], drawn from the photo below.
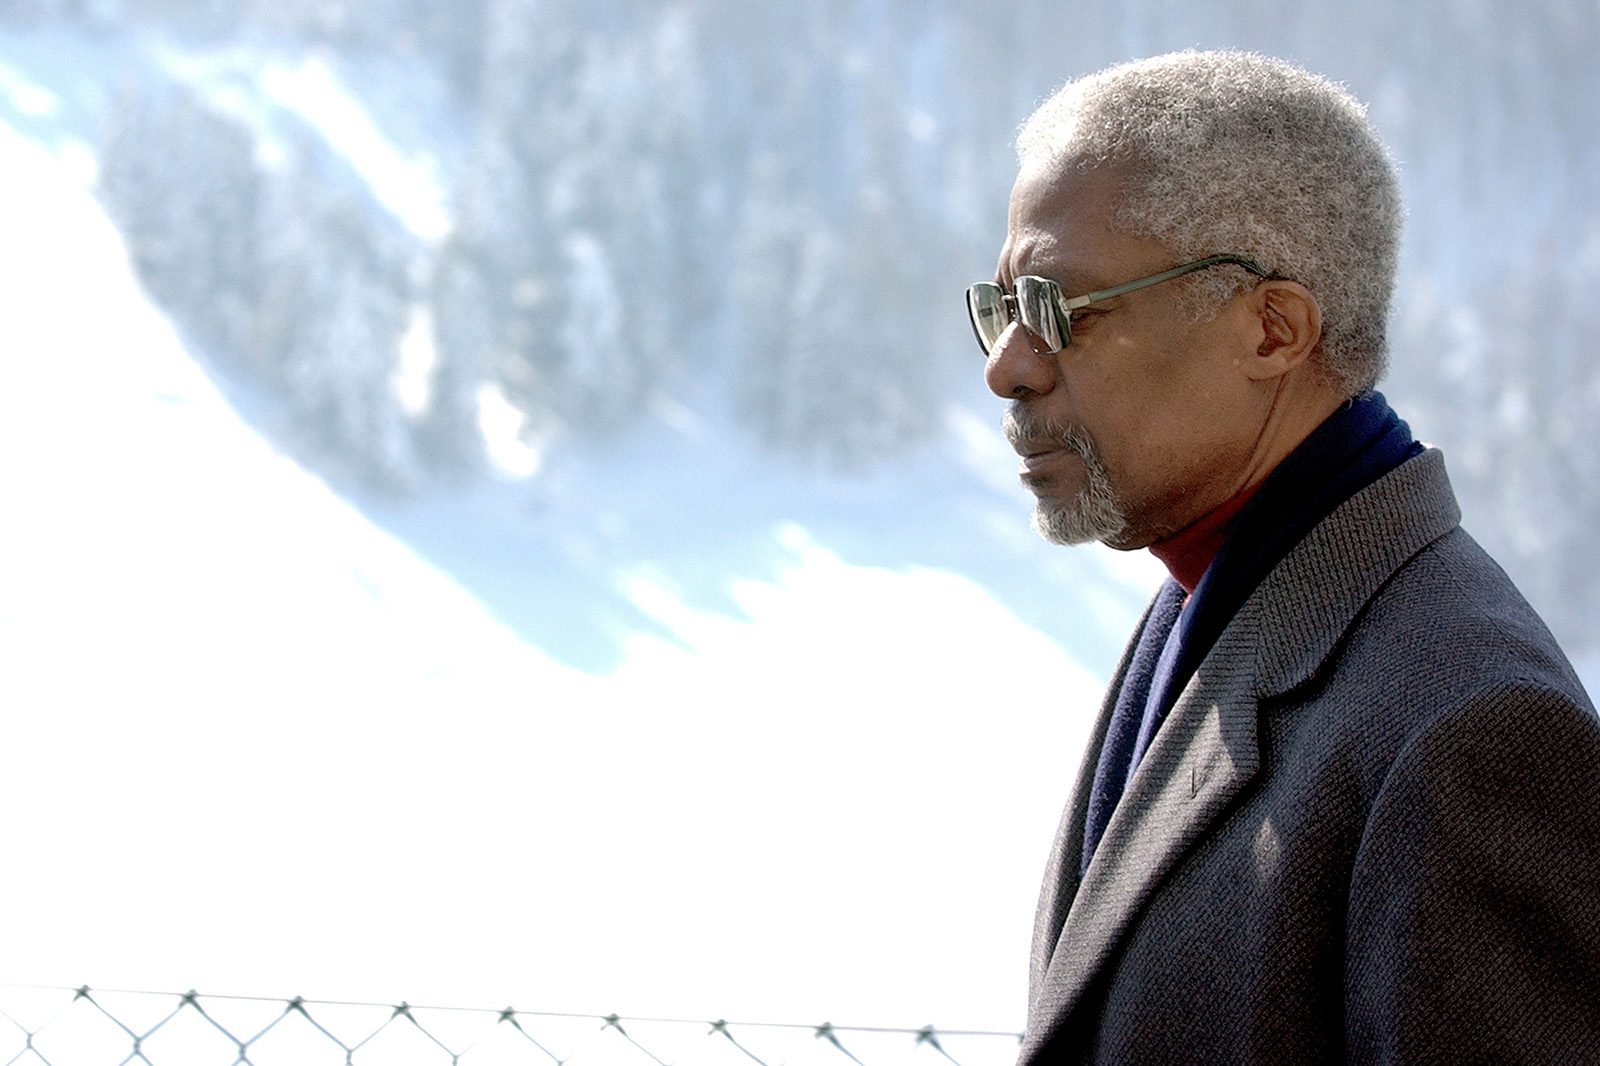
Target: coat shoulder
[1444,632]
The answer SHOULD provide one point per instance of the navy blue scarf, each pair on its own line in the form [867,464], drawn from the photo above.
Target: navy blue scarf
[1359,443]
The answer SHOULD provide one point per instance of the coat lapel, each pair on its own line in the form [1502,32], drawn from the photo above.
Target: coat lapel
[1206,752]
[1061,872]
[1203,756]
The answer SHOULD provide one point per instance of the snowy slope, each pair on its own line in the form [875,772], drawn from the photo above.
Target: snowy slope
[256,744]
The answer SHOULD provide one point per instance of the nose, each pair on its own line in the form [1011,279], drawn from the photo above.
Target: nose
[1016,368]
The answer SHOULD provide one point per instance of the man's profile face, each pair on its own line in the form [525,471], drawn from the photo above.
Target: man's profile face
[1143,424]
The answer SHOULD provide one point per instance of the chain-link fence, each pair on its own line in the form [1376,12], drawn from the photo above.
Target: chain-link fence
[95,1027]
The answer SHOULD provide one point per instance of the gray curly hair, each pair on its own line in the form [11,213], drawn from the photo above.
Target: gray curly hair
[1236,152]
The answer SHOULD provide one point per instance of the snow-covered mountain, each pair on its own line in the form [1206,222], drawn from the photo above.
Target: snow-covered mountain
[257,743]
[535,279]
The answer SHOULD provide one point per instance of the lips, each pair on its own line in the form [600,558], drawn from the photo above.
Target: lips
[1042,456]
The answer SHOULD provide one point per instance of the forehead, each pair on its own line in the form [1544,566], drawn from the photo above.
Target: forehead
[1060,227]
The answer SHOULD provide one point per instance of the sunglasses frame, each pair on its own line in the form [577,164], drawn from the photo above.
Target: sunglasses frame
[1044,294]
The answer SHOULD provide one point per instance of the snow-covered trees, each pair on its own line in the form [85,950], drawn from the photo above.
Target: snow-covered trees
[765,214]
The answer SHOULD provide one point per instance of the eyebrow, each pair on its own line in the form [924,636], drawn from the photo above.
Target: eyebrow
[1045,254]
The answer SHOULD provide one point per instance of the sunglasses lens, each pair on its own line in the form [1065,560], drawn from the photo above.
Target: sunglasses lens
[1036,306]
[986,305]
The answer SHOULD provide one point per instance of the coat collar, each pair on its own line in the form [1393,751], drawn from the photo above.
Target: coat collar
[1206,752]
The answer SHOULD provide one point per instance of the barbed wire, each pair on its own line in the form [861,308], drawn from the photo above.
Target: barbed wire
[59,1026]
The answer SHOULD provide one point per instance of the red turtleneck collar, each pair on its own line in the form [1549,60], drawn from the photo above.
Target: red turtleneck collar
[1187,553]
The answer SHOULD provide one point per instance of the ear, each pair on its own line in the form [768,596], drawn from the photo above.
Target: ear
[1290,320]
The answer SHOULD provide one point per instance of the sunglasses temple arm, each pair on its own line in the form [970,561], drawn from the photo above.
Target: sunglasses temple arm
[1166,275]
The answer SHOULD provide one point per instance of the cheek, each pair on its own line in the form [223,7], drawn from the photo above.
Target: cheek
[1150,398]
[1154,446]
[1127,419]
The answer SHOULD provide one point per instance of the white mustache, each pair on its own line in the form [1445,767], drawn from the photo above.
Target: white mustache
[1020,425]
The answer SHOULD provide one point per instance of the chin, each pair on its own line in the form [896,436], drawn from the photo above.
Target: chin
[1090,509]
[1087,517]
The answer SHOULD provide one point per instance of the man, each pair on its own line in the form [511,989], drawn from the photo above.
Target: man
[1342,803]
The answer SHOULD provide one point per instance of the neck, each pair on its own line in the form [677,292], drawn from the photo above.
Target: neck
[1300,402]
[1188,553]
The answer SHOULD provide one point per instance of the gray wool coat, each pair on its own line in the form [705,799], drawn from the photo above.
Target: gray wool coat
[1368,831]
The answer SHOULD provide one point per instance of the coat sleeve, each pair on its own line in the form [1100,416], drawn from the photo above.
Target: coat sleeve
[1473,929]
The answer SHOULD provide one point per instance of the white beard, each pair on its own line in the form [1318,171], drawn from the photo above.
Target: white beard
[1096,512]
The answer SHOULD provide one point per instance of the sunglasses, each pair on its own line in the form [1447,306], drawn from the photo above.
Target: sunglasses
[1038,304]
